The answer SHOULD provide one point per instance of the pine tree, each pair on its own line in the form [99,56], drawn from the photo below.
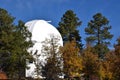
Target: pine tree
[99,34]
[68,27]
[14,43]
[21,43]
[6,37]
[51,70]
[117,47]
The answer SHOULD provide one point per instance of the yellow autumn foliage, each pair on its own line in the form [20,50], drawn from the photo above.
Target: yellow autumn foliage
[90,63]
[72,59]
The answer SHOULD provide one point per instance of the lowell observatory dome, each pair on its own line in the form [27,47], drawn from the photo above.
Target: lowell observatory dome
[41,30]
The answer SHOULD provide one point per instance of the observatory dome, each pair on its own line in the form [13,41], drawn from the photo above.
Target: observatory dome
[40,30]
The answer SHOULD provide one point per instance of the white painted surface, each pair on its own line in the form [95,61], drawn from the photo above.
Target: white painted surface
[40,30]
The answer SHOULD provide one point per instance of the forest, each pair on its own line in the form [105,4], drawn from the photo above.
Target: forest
[74,60]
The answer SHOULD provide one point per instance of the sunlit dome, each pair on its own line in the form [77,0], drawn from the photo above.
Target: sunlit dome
[40,30]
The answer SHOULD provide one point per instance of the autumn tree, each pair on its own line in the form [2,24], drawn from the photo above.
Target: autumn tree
[106,72]
[52,67]
[68,27]
[14,43]
[116,62]
[90,63]
[71,60]
[111,64]
[99,34]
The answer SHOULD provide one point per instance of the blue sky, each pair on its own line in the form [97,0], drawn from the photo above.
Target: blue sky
[54,9]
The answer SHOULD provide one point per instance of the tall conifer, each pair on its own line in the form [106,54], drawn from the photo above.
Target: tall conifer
[14,43]
[99,34]
[68,27]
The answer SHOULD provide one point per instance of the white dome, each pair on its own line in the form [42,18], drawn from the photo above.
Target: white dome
[40,30]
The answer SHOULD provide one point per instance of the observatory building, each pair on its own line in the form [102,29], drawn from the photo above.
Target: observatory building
[40,30]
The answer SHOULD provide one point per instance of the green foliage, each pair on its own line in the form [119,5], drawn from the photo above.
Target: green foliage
[15,40]
[68,27]
[117,47]
[51,70]
[14,43]
[21,43]
[118,42]
[99,34]
[6,37]
[101,49]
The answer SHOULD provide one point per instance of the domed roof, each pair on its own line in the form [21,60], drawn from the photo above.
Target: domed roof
[41,30]
[31,24]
